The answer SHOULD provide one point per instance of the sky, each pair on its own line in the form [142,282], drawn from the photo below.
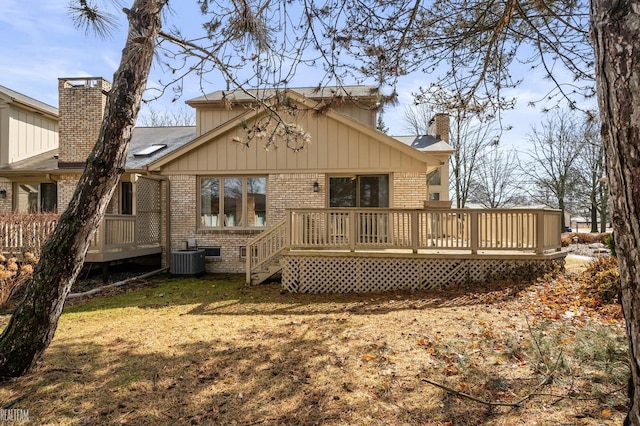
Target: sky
[41,45]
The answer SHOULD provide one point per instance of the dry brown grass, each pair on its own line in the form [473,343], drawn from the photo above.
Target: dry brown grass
[211,351]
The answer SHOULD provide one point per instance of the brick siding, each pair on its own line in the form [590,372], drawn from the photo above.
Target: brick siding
[6,204]
[283,191]
[409,190]
[81,107]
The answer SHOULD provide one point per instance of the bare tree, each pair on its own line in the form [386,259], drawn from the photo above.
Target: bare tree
[416,118]
[175,117]
[495,184]
[469,139]
[590,166]
[552,159]
[471,130]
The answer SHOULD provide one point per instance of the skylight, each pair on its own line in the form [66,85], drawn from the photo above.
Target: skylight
[152,149]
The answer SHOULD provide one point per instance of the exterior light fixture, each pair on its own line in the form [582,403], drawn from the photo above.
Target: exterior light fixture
[316,186]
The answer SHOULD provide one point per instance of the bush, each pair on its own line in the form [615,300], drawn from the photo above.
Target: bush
[583,238]
[13,275]
[602,278]
[22,236]
[610,243]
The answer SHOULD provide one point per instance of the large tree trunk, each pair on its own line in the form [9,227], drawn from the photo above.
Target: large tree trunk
[616,34]
[34,322]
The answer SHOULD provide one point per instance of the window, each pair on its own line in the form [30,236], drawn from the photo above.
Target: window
[434,177]
[359,191]
[212,253]
[233,201]
[126,198]
[434,196]
[36,197]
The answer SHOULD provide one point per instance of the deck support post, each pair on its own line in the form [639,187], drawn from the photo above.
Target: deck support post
[352,230]
[105,272]
[540,232]
[475,231]
[414,231]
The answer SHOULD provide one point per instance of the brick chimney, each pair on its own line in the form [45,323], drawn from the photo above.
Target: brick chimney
[439,126]
[81,104]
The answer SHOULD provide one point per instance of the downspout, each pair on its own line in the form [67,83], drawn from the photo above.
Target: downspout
[168,219]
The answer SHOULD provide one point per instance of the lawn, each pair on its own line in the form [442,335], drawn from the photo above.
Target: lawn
[212,351]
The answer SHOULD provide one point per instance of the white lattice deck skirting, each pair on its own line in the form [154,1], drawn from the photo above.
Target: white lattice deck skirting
[353,272]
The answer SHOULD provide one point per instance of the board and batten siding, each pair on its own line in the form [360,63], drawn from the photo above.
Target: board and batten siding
[28,134]
[212,117]
[335,148]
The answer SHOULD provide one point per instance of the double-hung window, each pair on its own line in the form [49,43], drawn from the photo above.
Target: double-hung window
[228,202]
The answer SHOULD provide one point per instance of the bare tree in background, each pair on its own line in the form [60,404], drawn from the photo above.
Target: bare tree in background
[151,117]
[416,118]
[496,181]
[469,139]
[471,130]
[551,162]
[590,166]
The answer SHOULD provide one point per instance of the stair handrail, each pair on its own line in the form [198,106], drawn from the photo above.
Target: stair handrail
[266,246]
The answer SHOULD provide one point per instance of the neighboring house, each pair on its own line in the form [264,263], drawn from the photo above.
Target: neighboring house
[45,179]
[28,128]
[352,187]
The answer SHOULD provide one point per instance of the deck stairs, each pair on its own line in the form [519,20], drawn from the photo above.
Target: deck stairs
[264,253]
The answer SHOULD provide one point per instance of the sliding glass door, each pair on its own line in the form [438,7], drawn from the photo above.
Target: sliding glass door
[359,191]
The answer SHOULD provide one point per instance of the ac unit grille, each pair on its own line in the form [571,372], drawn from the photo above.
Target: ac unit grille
[187,262]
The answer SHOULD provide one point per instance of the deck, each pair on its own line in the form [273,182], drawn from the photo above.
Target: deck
[340,250]
[118,237]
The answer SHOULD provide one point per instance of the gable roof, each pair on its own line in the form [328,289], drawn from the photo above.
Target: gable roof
[11,96]
[214,134]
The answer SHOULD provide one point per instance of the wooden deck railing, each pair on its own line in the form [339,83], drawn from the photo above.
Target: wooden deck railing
[425,230]
[473,230]
[115,232]
[25,232]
